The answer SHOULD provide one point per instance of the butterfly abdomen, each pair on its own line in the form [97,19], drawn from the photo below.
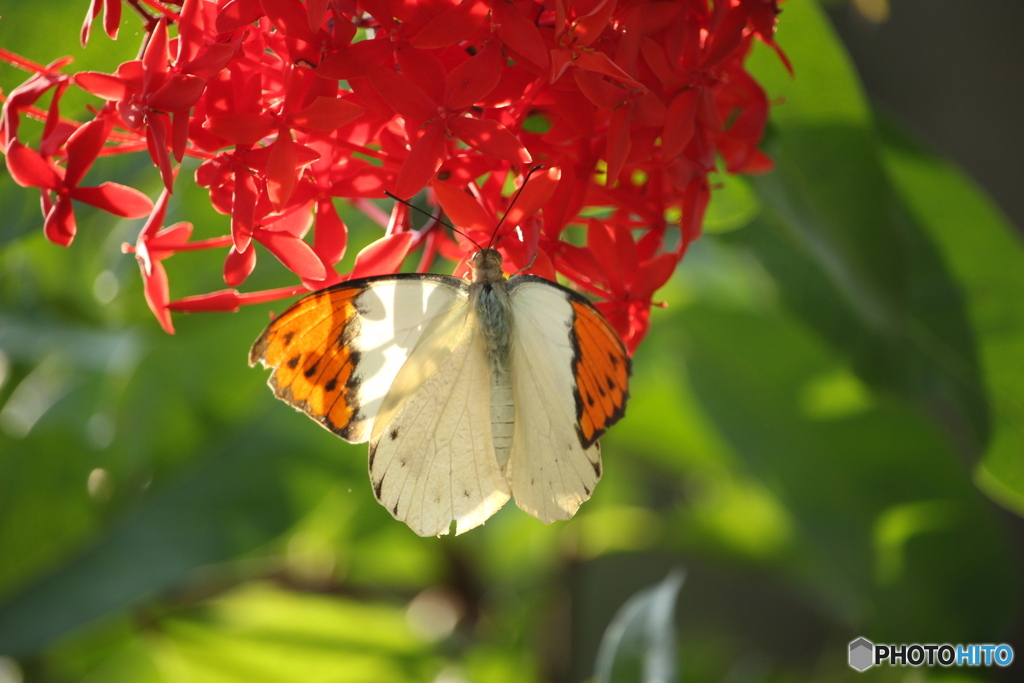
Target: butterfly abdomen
[495,315]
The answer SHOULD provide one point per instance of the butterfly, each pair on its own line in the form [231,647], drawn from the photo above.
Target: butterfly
[468,392]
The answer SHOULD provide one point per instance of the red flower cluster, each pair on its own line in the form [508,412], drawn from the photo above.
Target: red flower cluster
[626,104]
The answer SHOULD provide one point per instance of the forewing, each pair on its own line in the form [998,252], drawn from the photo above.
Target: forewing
[559,337]
[432,457]
[336,352]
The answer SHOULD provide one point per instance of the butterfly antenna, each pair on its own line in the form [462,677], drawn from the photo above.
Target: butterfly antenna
[513,202]
[433,217]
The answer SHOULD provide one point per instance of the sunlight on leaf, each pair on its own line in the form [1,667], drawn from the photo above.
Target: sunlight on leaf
[896,526]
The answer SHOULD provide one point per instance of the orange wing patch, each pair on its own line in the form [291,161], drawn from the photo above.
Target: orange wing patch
[312,363]
[602,369]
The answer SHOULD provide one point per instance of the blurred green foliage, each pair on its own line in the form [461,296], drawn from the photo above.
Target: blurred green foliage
[822,424]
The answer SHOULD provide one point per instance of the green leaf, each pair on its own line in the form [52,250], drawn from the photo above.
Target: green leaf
[876,495]
[987,259]
[829,185]
[642,636]
[844,249]
[733,204]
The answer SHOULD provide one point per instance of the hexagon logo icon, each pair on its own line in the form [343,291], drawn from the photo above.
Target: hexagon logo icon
[862,653]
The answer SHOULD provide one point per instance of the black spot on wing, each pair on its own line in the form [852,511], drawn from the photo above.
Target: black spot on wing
[394,510]
[288,338]
[331,385]
[373,454]
[586,490]
[377,486]
[597,468]
[611,383]
[393,434]
[311,370]
[293,362]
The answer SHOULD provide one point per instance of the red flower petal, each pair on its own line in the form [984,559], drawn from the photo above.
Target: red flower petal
[618,143]
[157,292]
[60,226]
[561,60]
[601,241]
[239,265]
[653,276]
[326,114]
[157,126]
[238,13]
[451,26]
[462,208]
[363,181]
[474,79]
[211,62]
[169,240]
[330,236]
[491,138]
[155,59]
[296,255]
[599,91]
[295,222]
[243,210]
[536,193]
[90,16]
[349,62]
[156,218]
[520,33]
[599,62]
[405,97]
[83,147]
[589,28]
[680,123]
[727,36]
[290,17]
[102,85]
[111,17]
[422,68]
[119,200]
[423,160]
[383,256]
[316,11]
[581,265]
[695,203]
[29,169]
[282,169]
[179,93]
[241,128]
[226,300]
[179,134]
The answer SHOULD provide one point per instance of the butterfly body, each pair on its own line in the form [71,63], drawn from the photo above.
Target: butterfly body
[468,392]
[488,296]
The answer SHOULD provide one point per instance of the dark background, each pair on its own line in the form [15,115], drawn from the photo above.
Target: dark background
[952,72]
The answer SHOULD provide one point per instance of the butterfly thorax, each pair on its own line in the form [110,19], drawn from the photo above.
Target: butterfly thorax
[488,292]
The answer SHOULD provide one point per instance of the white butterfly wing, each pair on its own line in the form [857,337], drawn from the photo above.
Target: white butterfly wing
[336,352]
[555,460]
[432,455]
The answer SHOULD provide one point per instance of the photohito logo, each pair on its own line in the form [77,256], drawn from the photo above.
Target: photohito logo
[864,654]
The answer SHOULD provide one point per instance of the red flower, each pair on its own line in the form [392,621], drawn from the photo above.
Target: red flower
[147,93]
[627,105]
[437,110]
[60,185]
